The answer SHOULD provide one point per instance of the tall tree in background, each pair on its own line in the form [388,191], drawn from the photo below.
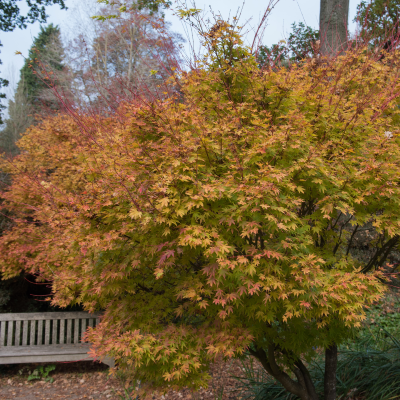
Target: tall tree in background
[119,57]
[11,18]
[32,95]
[20,117]
[46,52]
[3,83]
[333,18]
[303,40]
[301,44]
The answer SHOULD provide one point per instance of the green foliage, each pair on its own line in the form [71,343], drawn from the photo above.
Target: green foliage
[131,389]
[383,317]
[154,6]
[128,394]
[379,20]
[3,83]
[42,372]
[225,50]
[10,18]
[188,13]
[301,43]
[368,367]
[46,42]
[20,117]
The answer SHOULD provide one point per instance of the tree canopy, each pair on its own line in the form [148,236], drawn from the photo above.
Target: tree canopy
[118,57]
[379,20]
[153,6]
[302,42]
[11,18]
[220,217]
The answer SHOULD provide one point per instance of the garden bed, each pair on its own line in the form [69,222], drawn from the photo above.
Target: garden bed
[89,380]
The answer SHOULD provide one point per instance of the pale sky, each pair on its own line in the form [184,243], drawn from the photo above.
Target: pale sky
[285,13]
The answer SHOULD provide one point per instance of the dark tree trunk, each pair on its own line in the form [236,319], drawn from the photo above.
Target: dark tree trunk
[333,18]
[331,355]
[303,387]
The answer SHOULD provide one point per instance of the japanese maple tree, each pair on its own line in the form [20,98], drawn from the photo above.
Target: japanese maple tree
[221,218]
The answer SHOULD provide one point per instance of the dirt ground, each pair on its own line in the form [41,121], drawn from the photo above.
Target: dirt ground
[89,380]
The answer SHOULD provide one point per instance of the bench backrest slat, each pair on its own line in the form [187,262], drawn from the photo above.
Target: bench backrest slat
[44,329]
[76,329]
[10,334]
[62,331]
[69,328]
[47,332]
[25,328]
[2,333]
[17,332]
[40,332]
[33,331]
[54,337]
[84,325]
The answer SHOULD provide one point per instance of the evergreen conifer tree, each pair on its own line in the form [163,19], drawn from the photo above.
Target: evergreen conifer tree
[46,51]
[11,18]
[31,96]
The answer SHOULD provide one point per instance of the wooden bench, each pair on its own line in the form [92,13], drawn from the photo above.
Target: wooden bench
[45,337]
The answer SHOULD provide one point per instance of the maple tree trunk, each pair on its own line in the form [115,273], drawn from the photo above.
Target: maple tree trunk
[333,18]
[331,355]
[303,387]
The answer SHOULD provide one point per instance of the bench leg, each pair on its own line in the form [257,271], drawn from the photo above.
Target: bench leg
[108,361]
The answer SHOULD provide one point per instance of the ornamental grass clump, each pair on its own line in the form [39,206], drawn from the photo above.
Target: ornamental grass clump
[220,219]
